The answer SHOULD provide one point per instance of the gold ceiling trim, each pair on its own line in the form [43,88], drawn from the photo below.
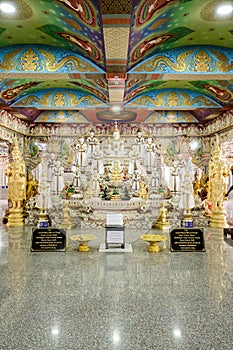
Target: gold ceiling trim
[29,60]
[58,100]
[201,62]
[164,99]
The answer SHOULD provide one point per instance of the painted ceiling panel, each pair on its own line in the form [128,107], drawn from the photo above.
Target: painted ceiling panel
[171,117]
[173,99]
[173,57]
[221,91]
[158,26]
[67,24]
[12,89]
[189,59]
[61,117]
[59,98]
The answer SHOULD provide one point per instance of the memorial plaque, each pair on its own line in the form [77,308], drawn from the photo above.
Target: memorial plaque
[48,240]
[115,235]
[187,240]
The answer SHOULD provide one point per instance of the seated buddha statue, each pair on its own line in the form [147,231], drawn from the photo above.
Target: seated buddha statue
[116,175]
[143,192]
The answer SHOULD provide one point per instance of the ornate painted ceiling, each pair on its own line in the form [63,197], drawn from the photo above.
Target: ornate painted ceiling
[158,61]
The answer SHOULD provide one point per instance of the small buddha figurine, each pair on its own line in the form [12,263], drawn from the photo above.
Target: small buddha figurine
[68,221]
[125,176]
[140,142]
[196,189]
[139,139]
[116,174]
[162,221]
[116,132]
[92,142]
[106,174]
[81,152]
[115,196]
[143,192]
[136,179]
[32,187]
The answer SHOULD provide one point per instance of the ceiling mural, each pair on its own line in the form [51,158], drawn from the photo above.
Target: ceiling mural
[11,90]
[158,61]
[64,116]
[66,24]
[194,60]
[158,26]
[220,91]
[59,98]
[171,117]
[173,99]
[44,59]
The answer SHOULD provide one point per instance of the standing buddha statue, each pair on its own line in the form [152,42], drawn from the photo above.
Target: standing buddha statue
[217,188]
[16,187]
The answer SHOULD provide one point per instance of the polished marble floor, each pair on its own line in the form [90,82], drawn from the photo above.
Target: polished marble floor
[115,301]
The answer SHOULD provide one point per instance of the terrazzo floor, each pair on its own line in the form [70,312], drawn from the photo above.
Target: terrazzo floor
[115,301]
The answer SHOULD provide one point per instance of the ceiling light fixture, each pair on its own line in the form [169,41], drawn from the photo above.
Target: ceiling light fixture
[224,9]
[116,80]
[7,7]
[116,109]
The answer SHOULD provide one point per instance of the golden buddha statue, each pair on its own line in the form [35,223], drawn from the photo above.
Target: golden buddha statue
[32,187]
[196,189]
[116,175]
[16,173]
[143,192]
[162,222]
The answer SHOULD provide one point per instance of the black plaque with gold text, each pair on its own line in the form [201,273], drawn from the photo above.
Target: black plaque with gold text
[187,240]
[48,240]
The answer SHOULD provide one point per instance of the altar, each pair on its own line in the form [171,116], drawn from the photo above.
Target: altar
[137,212]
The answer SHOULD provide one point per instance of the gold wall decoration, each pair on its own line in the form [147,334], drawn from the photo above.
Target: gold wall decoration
[173,99]
[52,64]
[8,60]
[224,65]
[202,61]
[59,99]
[29,60]
[157,63]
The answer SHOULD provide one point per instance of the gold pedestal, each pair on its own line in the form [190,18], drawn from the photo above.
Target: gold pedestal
[67,224]
[83,241]
[153,241]
[188,215]
[115,197]
[160,225]
[15,218]
[218,218]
